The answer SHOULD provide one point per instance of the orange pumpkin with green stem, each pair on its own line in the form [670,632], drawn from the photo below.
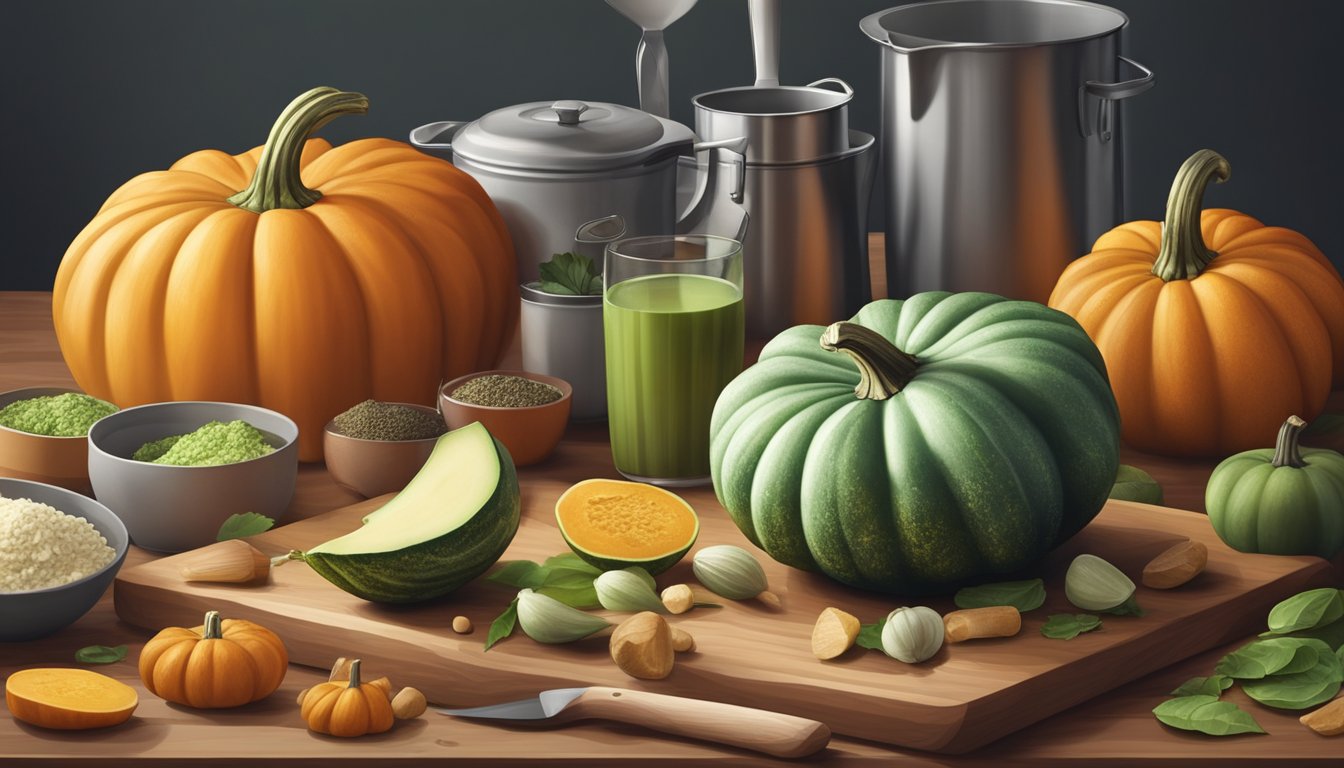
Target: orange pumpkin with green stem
[347,708]
[368,270]
[222,663]
[1213,326]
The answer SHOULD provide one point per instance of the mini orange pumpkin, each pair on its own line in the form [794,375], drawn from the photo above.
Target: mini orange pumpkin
[392,273]
[1214,327]
[219,664]
[347,708]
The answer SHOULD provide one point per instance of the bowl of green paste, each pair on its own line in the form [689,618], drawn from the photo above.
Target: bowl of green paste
[174,472]
[43,435]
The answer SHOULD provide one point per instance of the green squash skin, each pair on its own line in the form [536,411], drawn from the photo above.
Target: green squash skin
[1003,445]
[653,566]
[1256,507]
[436,567]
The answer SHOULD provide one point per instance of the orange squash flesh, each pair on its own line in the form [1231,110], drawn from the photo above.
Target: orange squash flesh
[68,699]
[617,524]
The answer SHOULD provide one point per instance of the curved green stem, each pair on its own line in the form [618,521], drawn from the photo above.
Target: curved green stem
[213,629]
[884,370]
[1286,450]
[354,673]
[276,182]
[1183,254]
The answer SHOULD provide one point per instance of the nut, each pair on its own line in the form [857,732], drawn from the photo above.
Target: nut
[682,642]
[990,621]
[409,703]
[642,646]
[678,598]
[1328,720]
[1176,565]
[834,633]
[462,625]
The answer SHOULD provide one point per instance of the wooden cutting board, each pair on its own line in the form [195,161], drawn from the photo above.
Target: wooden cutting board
[966,696]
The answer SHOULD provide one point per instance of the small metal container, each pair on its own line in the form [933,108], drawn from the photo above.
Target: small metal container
[783,124]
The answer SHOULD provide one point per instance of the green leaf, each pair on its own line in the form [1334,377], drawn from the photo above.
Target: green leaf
[1133,484]
[523,574]
[570,274]
[1204,686]
[502,626]
[100,654]
[1128,608]
[566,578]
[1307,610]
[1262,658]
[1022,595]
[573,562]
[244,525]
[582,597]
[870,636]
[1325,425]
[1299,690]
[1066,626]
[1206,714]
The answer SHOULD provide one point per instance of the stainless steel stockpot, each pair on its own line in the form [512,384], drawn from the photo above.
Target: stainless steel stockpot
[1001,140]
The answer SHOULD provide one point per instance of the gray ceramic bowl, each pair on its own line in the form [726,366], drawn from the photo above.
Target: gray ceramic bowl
[40,612]
[173,509]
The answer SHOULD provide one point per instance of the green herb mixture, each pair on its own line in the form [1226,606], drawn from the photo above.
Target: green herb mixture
[374,420]
[213,444]
[65,415]
[496,391]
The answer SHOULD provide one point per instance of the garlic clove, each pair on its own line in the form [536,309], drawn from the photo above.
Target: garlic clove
[548,620]
[1093,584]
[228,562]
[732,572]
[912,635]
[625,590]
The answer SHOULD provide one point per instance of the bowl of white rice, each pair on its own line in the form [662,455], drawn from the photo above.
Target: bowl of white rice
[59,551]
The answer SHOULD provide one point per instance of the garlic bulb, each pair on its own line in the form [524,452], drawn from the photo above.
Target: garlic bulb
[1093,584]
[627,590]
[548,620]
[732,572]
[912,635]
[233,561]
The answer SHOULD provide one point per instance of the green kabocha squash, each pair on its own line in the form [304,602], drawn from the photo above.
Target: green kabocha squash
[1285,500]
[958,436]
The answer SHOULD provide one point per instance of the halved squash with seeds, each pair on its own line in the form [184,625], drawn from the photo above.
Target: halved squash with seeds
[616,524]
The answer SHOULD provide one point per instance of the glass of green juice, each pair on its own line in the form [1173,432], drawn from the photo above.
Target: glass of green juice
[673,322]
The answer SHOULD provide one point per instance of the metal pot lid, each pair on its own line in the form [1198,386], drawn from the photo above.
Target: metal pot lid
[570,136]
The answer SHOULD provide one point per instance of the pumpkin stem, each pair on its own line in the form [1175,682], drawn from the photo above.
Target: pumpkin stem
[1183,255]
[1286,451]
[276,182]
[354,674]
[884,370]
[213,629]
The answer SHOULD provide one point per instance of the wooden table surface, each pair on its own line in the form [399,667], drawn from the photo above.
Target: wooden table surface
[1112,730]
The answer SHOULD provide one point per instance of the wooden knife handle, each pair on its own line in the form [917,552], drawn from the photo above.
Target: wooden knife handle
[754,729]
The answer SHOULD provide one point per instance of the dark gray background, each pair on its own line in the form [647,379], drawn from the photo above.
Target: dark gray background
[97,92]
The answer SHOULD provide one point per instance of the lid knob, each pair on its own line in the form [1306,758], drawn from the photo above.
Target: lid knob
[568,111]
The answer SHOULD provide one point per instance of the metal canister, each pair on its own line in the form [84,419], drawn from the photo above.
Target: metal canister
[1001,140]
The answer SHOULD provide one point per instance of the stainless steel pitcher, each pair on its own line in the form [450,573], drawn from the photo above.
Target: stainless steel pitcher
[1001,142]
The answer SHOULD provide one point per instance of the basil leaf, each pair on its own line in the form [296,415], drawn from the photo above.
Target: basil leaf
[583,597]
[1128,608]
[1133,484]
[244,525]
[1300,690]
[870,636]
[502,626]
[1262,658]
[523,574]
[565,578]
[1022,595]
[1066,626]
[570,274]
[1213,685]
[1206,714]
[100,654]
[1307,610]
[573,562]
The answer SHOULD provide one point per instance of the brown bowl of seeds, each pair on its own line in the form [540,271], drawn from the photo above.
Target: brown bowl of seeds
[525,411]
[375,447]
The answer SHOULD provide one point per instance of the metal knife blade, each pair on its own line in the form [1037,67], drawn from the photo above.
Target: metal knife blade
[547,704]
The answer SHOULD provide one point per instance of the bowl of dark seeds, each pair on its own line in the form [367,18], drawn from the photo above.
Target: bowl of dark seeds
[374,447]
[527,412]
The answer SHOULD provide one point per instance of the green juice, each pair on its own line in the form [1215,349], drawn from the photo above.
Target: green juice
[673,343]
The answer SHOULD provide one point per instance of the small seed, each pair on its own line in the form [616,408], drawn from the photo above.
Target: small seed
[1328,720]
[769,600]
[973,623]
[462,625]
[682,642]
[1176,565]
[409,703]
[678,598]
[834,633]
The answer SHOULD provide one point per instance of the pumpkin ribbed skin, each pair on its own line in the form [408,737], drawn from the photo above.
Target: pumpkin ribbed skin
[1003,444]
[347,708]
[400,276]
[1209,364]
[216,665]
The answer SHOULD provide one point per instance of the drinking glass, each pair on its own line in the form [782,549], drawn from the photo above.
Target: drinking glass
[674,328]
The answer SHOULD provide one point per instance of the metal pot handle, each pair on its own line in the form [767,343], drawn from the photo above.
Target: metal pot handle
[844,87]
[437,137]
[1124,89]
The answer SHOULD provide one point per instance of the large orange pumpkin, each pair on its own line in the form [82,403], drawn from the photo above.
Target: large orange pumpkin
[393,272]
[1214,327]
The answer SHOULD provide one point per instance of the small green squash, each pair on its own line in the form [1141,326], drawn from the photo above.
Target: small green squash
[960,436]
[1287,500]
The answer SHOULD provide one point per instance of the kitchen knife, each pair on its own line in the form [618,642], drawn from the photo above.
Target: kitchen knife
[754,729]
